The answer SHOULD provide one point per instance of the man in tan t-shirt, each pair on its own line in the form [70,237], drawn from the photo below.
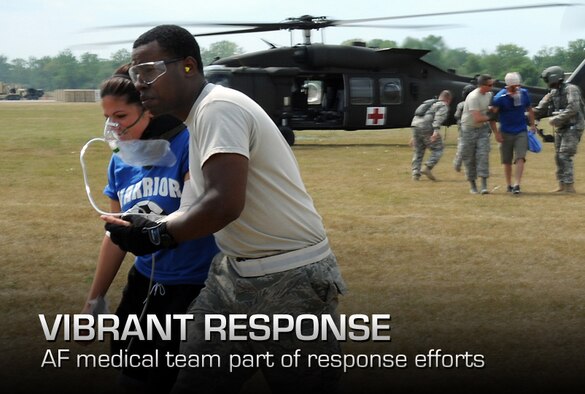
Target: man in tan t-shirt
[476,127]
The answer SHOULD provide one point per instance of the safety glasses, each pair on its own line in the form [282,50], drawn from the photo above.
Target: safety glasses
[149,73]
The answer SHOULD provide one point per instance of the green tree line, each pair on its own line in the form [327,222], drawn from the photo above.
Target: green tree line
[505,58]
[65,71]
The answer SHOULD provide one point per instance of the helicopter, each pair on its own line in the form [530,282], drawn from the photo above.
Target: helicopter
[315,86]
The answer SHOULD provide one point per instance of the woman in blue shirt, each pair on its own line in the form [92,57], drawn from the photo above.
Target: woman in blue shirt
[177,274]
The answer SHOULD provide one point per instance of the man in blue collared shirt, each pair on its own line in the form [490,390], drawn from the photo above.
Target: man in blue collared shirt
[512,103]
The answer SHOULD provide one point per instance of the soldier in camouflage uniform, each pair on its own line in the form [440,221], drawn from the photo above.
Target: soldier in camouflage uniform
[476,127]
[425,134]
[458,160]
[565,103]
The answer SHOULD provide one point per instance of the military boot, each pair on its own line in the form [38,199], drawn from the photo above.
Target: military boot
[428,173]
[484,188]
[570,188]
[560,189]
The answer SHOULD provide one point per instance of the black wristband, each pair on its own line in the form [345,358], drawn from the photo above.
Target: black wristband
[160,236]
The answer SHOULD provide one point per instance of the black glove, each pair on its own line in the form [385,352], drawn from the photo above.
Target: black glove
[545,137]
[143,237]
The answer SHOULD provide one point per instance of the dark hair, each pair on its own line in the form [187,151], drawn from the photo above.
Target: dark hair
[483,79]
[120,85]
[174,40]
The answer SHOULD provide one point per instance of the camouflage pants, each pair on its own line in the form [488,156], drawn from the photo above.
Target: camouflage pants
[475,151]
[422,141]
[312,289]
[566,142]
[457,160]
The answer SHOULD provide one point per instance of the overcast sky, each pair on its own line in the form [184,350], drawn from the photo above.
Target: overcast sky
[36,28]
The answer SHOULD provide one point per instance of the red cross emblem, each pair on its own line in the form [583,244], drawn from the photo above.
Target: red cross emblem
[376,116]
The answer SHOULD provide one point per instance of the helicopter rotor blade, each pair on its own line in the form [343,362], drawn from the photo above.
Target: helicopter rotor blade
[93,45]
[462,12]
[272,25]
[308,22]
[252,30]
[280,27]
[108,43]
[445,26]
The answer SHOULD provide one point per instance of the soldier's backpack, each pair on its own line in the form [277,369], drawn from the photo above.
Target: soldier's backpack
[422,109]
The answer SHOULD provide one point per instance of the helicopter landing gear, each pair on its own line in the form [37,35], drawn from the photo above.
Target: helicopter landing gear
[288,134]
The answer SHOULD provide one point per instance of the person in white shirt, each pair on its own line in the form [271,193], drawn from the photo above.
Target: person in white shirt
[476,127]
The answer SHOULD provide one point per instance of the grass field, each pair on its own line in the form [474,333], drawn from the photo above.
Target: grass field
[495,275]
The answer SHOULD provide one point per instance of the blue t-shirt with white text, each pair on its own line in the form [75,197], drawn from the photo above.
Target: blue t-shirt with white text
[158,189]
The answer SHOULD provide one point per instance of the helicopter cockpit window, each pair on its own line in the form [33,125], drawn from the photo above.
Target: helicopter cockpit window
[390,91]
[361,91]
[314,91]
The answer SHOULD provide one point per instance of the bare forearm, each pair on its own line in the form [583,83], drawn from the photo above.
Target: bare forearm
[109,261]
[221,202]
[205,217]
[478,117]
[494,126]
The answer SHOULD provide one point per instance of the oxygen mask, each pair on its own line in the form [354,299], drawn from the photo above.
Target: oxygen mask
[138,153]
[112,134]
[133,152]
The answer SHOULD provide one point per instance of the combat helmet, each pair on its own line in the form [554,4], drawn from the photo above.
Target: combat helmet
[467,89]
[552,75]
